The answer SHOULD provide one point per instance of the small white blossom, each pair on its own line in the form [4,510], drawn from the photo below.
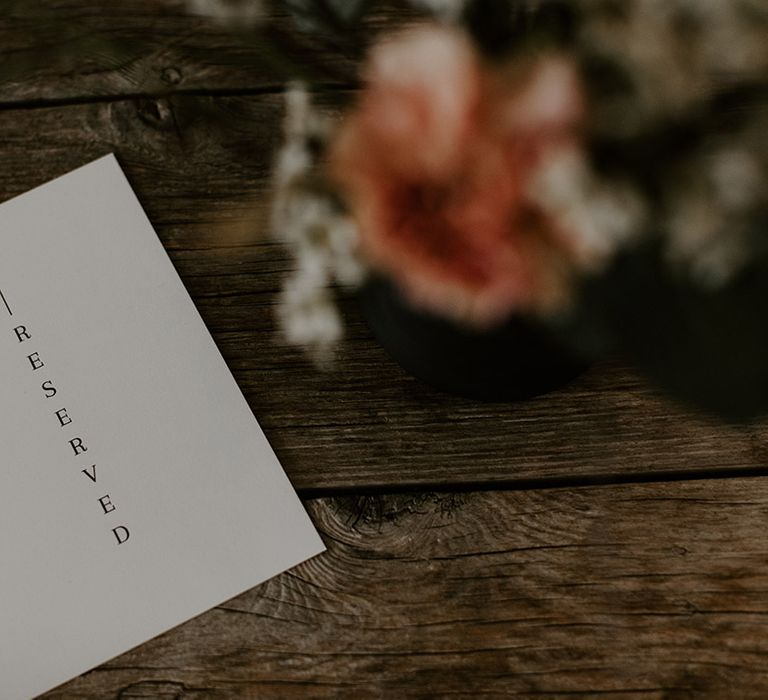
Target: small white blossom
[709,217]
[321,236]
[673,54]
[308,315]
[704,243]
[597,218]
[737,179]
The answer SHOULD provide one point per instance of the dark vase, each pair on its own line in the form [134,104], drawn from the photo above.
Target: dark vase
[517,360]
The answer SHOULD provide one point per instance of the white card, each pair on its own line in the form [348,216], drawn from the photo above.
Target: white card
[136,488]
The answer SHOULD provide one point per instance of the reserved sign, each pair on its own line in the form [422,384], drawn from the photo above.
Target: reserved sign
[78,447]
[137,489]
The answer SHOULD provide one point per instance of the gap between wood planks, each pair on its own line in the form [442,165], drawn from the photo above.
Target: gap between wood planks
[50,102]
[543,484]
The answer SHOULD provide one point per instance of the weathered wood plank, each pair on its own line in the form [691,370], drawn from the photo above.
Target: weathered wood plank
[81,49]
[365,424]
[653,591]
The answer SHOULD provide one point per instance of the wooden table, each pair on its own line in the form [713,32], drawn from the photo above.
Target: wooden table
[595,541]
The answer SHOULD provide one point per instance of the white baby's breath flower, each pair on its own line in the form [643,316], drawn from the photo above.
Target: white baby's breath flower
[709,217]
[302,122]
[737,179]
[308,315]
[703,243]
[672,55]
[293,161]
[342,239]
[312,224]
[321,236]
[599,218]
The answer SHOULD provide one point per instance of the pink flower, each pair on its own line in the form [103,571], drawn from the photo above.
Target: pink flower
[437,163]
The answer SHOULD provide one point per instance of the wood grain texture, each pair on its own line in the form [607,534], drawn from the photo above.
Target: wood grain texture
[74,50]
[634,591]
[651,590]
[366,424]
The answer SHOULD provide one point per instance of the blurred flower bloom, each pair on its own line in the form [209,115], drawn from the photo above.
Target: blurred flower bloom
[439,163]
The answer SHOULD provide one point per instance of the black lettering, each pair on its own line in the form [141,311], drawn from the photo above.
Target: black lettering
[21,333]
[49,389]
[90,473]
[64,419]
[77,446]
[35,361]
[124,530]
[106,504]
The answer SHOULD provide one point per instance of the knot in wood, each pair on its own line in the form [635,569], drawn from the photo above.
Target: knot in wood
[171,75]
[156,113]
